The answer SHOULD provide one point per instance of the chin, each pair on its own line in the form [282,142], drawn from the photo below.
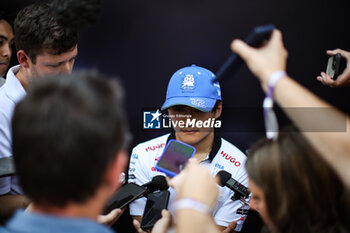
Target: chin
[189,138]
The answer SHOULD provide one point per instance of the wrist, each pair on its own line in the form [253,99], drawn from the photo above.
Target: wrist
[271,78]
[192,204]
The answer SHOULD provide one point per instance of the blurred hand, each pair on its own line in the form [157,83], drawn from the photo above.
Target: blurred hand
[231,227]
[195,182]
[111,218]
[265,60]
[344,78]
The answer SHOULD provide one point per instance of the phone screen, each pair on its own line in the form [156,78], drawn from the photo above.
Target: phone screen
[156,202]
[124,196]
[174,157]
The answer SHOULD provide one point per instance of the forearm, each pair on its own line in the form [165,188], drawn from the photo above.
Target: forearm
[10,203]
[191,221]
[330,128]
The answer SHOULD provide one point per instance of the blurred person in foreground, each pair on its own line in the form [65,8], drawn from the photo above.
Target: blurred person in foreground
[69,139]
[294,189]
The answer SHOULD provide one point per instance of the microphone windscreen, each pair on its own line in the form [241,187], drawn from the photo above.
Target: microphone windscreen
[224,176]
[158,183]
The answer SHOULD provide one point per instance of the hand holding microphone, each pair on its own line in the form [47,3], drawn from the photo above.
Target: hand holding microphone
[130,192]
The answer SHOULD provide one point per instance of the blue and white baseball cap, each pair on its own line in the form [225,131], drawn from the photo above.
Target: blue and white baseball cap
[193,86]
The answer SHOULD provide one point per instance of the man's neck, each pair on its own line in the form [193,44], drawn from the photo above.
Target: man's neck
[22,76]
[68,211]
[90,209]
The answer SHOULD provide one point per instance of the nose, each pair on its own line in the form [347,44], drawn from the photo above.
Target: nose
[254,205]
[6,51]
[67,68]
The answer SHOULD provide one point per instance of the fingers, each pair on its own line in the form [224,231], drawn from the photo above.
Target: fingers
[137,226]
[166,214]
[110,218]
[343,53]
[335,51]
[241,48]
[326,80]
[231,227]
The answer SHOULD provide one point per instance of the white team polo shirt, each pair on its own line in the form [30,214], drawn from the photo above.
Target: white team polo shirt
[224,156]
[10,94]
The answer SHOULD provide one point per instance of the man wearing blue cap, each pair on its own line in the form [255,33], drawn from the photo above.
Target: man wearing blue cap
[193,98]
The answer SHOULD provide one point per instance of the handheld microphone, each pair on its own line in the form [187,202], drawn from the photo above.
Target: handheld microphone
[225,180]
[157,183]
[130,192]
[254,39]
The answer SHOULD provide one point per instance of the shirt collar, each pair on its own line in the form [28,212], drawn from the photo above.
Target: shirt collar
[13,86]
[34,222]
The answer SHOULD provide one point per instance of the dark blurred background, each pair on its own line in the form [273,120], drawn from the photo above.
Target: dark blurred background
[145,42]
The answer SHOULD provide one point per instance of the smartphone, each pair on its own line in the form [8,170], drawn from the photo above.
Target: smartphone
[124,196]
[156,202]
[255,39]
[174,157]
[334,66]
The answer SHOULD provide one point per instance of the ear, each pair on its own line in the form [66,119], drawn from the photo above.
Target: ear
[23,59]
[116,168]
[218,111]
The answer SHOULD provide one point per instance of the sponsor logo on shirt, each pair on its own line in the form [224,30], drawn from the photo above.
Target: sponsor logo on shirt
[134,156]
[152,148]
[219,166]
[230,158]
[131,169]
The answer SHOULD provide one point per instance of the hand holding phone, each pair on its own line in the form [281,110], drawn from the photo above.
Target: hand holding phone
[255,39]
[124,196]
[338,69]
[156,202]
[174,157]
[334,66]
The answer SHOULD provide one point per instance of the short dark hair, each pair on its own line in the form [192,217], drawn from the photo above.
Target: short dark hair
[217,103]
[38,30]
[66,132]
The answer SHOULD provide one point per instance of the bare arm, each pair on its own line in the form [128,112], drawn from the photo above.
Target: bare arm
[10,203]
[333,146]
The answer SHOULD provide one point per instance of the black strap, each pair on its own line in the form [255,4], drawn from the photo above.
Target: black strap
[7,167]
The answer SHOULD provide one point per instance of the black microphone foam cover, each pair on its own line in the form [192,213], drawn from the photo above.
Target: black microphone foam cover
[158,183]
[224,176]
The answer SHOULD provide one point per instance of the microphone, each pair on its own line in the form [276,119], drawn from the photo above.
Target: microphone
[131,191]
[225,180]
[157,183]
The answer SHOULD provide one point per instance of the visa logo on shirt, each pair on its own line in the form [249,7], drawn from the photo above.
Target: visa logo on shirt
[219,166]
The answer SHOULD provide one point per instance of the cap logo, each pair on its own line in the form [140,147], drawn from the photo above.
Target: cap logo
[188,83]
[198,102]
